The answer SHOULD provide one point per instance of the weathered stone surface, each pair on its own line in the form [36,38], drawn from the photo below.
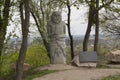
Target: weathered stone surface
[83,64]
[75,61]
[56,32]
[115,56]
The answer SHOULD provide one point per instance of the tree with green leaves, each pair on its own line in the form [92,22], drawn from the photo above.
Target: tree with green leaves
[111,20]
[93,19]
[4,20]
[90,23]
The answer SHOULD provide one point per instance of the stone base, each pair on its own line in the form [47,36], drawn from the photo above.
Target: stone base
[87,64]
[76,62]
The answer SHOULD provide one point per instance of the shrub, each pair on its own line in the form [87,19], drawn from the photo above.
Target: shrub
[7,60]
[37,55]
[102,54]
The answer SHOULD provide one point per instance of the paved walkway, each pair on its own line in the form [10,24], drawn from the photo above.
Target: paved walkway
[79,74]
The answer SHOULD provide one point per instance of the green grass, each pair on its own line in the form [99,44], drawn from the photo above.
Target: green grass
[103,66]
[112,78]
[29,75]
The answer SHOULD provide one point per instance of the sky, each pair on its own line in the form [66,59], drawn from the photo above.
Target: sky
[78,22]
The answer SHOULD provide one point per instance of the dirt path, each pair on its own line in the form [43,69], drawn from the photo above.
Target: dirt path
[79,74]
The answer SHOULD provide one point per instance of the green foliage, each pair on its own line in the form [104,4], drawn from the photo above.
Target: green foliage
[112,78]
[102,66]
[117,10]
[102,50]
[81,1]
[118,0]
[7,61]
[102,54]
[37,55]
[5,69]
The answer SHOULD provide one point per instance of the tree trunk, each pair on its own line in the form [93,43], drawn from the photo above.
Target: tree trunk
[97,27]
[43,34]
[69,32]
[90,23]
[25,29]
[4,23]
[46,43]
[87,35]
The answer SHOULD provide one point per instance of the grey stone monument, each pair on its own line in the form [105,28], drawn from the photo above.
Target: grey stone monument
[88,59]
[56,33]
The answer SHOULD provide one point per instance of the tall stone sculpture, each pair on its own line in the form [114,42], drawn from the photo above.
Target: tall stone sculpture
[56,32]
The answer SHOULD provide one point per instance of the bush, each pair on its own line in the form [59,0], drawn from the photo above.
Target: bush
[102,54]
[37,55]
[7,60]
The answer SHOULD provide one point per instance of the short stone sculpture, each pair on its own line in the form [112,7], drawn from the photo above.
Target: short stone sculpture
[56,32]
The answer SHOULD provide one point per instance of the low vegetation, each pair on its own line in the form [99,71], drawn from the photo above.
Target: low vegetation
[30,74]
[36,56]
[112,78]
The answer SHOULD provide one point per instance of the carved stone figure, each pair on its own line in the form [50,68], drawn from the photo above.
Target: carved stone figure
[56,32]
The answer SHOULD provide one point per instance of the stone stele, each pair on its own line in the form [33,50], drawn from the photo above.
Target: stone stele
[56,33]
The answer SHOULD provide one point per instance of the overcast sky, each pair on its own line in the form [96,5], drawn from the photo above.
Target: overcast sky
[78,22]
